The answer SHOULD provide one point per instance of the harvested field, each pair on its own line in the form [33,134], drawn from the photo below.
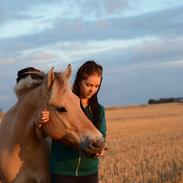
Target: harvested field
[1,115]
[145,145]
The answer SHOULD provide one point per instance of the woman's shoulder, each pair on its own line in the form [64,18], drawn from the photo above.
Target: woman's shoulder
[101,108]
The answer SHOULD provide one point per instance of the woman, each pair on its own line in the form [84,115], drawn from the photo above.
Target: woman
[67,165]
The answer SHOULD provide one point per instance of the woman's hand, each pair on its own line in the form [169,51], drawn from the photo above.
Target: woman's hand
[43,118]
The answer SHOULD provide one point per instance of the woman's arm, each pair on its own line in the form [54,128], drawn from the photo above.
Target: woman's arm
[102,129]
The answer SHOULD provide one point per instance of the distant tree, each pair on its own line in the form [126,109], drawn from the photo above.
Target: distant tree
[164,100]
[152,101]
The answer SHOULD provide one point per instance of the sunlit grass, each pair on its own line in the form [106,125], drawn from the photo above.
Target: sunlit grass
[145,145]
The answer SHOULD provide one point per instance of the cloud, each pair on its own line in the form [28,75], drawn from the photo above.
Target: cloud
[157,50]
[7,61]
[38,56]
[34,17]
[3,97]
[166,23]
[139,43]
[13,10]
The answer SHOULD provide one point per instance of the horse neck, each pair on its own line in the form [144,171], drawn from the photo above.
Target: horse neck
[30,104]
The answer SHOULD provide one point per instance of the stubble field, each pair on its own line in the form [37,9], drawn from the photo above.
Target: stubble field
[145,145]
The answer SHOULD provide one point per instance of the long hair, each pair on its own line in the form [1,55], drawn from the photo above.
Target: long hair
[87,69]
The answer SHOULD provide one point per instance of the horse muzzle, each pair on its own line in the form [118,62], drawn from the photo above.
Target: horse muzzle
[92,147]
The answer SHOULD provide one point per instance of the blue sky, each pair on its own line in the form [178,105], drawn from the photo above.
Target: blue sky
[138,42]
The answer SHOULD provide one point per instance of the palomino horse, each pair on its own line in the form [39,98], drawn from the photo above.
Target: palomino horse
[23,154]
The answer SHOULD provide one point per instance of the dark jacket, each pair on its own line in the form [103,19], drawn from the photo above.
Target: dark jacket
[66,160]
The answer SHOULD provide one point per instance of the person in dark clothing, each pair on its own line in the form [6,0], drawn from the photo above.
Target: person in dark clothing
[30,71]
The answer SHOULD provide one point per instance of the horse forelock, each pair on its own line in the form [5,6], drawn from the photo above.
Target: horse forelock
[26,84]
[59,85]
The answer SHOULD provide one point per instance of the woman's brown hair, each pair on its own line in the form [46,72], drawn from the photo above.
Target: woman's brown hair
[87,69]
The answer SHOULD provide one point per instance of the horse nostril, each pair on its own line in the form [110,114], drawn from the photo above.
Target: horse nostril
[97,144]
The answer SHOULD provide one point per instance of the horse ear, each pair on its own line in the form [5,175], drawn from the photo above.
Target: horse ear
[50,78]
[68,71]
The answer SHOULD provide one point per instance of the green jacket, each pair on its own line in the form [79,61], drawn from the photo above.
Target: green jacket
[66,160]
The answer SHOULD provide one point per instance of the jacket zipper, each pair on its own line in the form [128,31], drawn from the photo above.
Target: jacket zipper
[77,168]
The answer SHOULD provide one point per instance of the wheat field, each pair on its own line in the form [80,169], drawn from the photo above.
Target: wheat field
[145,144]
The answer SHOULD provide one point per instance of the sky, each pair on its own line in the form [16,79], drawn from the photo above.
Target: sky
[139,43]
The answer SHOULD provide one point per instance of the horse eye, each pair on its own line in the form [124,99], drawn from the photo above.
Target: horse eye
[61,109]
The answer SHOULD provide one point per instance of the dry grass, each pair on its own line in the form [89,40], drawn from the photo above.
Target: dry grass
[145,145]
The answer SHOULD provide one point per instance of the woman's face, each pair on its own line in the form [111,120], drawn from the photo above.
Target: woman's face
[89,86]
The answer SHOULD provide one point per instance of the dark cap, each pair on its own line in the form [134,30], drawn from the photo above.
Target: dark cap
[30,71]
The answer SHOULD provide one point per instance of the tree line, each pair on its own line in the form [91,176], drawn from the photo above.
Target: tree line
[164,100]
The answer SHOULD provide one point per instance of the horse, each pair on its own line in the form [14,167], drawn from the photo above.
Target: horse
[24,153]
